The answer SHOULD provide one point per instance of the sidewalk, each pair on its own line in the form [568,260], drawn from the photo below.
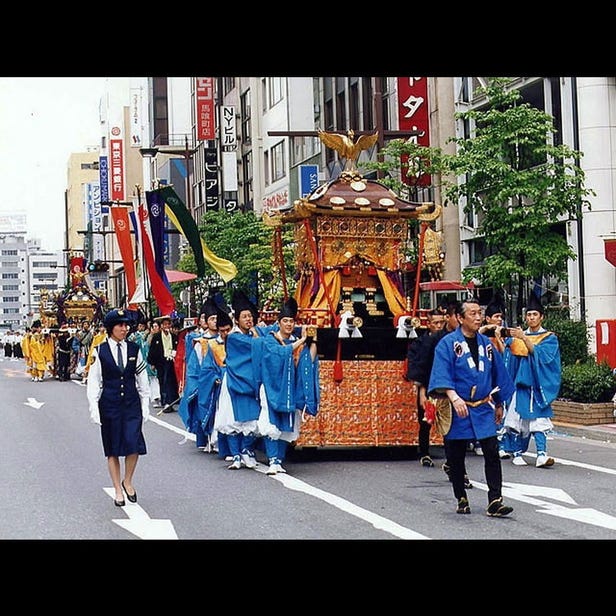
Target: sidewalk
[598,432]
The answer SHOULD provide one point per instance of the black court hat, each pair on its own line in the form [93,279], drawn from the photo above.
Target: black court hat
[534,304]
[240,302]
[289,309]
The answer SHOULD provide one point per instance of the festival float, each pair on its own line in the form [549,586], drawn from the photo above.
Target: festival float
[350,234]
[79,301]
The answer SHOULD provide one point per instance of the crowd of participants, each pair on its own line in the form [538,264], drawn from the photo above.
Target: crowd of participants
[10,344]
[498,384]
[241,385]
[247,385]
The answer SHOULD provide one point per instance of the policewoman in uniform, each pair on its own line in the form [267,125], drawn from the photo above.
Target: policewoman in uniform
[118,396]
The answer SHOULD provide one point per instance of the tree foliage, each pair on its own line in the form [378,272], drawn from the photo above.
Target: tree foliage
[518,183]
[244,239]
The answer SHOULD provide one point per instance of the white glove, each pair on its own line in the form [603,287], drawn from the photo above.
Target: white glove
[145,411]
[95,416]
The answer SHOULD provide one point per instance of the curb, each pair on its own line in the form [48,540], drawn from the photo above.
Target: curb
[602,432]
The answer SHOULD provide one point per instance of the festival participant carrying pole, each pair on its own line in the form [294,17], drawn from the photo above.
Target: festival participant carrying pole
[422,233]
[315,254]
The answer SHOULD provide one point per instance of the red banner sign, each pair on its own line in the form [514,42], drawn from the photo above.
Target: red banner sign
[204,95]
[413,114]
[78,270]
[610,250]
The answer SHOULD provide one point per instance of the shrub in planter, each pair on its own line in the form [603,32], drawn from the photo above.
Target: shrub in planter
[588,382]
[572,335]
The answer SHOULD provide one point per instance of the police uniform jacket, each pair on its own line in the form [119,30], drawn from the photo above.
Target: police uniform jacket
[122,398]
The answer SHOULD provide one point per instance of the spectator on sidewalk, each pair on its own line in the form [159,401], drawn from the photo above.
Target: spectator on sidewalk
[163,348]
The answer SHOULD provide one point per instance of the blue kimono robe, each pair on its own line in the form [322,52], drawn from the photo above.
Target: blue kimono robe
[288,387]
[244,352]
[188,407]
[210,378]
[537,375]
[455,368]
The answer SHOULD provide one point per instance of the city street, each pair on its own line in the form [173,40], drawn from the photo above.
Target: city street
[56,485]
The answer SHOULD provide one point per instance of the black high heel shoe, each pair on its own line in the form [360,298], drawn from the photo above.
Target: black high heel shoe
[131,497]
[118,503]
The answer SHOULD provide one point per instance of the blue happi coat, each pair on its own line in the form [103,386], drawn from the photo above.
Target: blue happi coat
[454,368]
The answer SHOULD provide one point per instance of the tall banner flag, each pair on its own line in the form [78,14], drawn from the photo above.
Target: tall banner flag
[156,214]
[121,224]
[139,296]
[186,225]
[160,287]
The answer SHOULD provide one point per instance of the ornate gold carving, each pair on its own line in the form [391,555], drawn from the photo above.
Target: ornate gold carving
[346,147]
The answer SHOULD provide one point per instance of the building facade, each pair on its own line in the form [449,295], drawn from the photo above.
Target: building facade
[265,132]
[26,271]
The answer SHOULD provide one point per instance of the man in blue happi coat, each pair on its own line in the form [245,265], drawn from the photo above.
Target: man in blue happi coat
[472,375]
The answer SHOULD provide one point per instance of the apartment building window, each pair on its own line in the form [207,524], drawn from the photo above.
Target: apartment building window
[9,253]
[304,148]
[9,264]
[10,287]
[10,310]
[278,163]
[275,90]
[247,194]
[245,117]
[9,276]
[368,102]
[161,110]
[228,84]
[477,251]
[354,118]
[465,90]
[384,89]
[266,167]
[341,112]
[10,300]
[44,263]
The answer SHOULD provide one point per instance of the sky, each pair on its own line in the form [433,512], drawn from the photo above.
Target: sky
[43,120]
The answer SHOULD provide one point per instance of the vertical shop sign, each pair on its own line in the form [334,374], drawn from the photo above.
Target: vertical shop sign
[413,114]
[204,97]
[212,195]
[116,148]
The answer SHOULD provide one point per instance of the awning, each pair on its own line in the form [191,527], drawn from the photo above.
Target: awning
[178,276]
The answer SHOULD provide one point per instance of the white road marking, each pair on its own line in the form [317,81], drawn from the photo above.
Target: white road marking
[379,522]
[521,492]
[139,522]
[526,494]
[34,403]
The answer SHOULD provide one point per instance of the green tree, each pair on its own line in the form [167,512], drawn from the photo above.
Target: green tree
[244,239]
[521,186]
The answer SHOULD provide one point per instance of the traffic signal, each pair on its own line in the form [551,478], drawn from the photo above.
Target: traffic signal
[98,266]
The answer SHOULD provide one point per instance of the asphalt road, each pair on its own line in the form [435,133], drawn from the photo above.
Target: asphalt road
[56,485]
